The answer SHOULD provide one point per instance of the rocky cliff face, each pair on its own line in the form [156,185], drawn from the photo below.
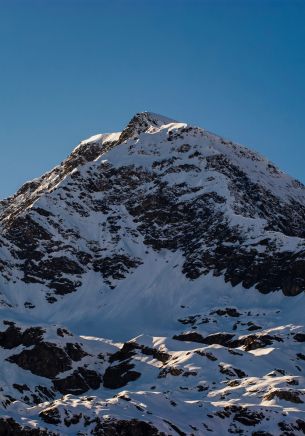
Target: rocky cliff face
[180,248]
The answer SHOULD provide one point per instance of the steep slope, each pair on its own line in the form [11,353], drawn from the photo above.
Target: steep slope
[171,235]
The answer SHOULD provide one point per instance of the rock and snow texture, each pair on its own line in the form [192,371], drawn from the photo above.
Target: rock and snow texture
[153,284]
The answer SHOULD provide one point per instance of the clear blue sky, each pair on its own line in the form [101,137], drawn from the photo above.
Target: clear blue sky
[70,69]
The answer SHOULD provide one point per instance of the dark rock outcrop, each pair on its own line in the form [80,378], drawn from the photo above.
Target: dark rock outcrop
[13,336]
[44,359]
[119,375]
[79,382]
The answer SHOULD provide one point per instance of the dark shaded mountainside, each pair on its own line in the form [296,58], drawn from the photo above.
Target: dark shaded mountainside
[162,238]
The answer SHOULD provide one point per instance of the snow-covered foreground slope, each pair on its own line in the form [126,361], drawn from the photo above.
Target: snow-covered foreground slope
[153,283]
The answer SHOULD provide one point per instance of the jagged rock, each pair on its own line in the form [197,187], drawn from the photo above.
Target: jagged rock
[13,336]
[129,350]
[133,427]
[75,351]
[119,375]
[9,427]
[217,338]
[170,370]
[254,341]
[50,416]
[227,311]
[44,359]
[79,382]
[291,396]
[156,354]
[126,352]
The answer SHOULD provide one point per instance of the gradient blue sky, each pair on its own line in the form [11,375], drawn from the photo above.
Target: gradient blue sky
[70,69]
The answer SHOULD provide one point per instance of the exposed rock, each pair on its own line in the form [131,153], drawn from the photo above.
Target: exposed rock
[21,388]
[9,427]
[299,337]
[254,341]
[119,375]
[126,352]
[217,338]
[227,311]
[281,394]
[116,266]
[133,427]
[44,359]
[170,370]
[75,351]
[13,336]
[79,382]
[50,416]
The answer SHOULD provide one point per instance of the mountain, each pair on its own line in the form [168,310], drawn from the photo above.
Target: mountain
[153,284]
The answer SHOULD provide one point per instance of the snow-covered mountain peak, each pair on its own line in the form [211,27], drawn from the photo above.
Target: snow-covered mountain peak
[143,122]
[153,119]
[164,237]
